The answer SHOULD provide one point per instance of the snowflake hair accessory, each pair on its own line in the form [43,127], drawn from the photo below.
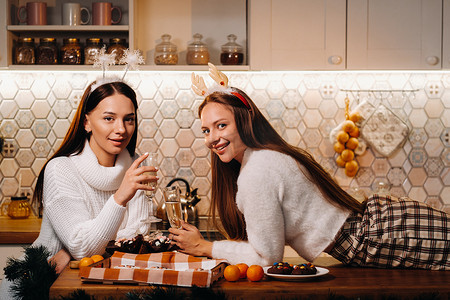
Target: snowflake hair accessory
[130,58]
[221,80]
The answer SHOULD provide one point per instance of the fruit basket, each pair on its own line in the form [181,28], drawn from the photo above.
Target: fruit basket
[167,268]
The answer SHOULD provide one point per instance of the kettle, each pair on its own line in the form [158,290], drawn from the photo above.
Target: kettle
[188,202]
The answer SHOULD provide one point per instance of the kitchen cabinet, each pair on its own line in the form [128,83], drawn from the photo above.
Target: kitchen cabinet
[401,34]
[297,34]
[13,30]
[353,34]
[143,23]
[446,36]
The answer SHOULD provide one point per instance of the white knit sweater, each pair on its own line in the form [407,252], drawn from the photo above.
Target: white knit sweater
[80,213]
[280,206]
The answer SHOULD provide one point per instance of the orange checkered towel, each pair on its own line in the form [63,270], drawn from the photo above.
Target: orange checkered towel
[168,268]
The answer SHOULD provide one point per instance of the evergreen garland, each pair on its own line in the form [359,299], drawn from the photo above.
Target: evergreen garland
[33,275]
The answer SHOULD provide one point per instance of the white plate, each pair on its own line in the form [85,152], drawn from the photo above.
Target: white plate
[320,272]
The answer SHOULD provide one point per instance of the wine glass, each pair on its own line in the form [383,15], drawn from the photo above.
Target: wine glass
[151,160]
[172,204]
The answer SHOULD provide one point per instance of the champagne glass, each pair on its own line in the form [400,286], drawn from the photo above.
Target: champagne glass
[151,160]
[172,203]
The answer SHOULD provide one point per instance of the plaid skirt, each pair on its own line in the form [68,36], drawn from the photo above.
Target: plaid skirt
[395,233]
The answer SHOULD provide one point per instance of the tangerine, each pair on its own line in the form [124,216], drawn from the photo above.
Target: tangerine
[243,268]
[351,166]
[347,155]
[338,147]
[255,273]
[342,137]
[351,173]
[354,132]
[232,273]
[97,257]
[352,143]
[340,162]
[355,116]
[348,126]
[86,261]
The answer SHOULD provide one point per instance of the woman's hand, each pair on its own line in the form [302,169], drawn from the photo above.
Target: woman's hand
[135,179]
[190,240]
[61,259]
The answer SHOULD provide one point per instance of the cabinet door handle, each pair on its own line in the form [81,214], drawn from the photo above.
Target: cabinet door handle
[335,60]
[432,60]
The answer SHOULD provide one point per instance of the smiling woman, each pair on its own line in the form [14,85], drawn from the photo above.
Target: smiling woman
[91,189]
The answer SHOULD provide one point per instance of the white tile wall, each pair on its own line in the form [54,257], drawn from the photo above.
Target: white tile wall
[36,109]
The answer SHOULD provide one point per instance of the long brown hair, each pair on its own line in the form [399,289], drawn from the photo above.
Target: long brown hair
[256,132]
[76,135]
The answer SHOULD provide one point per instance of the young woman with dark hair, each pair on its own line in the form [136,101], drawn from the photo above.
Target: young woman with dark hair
[269,194]
[91,189]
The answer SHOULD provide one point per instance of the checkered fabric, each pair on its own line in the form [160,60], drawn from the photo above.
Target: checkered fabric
[168,268]
[395,232]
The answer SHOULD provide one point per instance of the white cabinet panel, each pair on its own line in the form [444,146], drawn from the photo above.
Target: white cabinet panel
[297,34]
[401,34]
[446,36]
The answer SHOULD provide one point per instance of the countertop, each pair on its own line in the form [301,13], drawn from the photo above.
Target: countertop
[25,231]
[340,281]
[19,231]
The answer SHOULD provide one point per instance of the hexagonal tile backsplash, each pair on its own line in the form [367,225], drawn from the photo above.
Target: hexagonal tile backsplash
[303,106]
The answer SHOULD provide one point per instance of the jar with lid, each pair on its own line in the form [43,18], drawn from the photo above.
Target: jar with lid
[19,208]
[93,47]
[24,53]
[166,52]
[47,52]
[197,52]
[232,53]
[71,52]
[117,46]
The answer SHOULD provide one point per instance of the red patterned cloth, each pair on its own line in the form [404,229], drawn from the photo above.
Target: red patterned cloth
[169,268]
[395,232]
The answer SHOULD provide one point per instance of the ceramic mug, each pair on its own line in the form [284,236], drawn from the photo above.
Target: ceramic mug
[36,13]
[72,14]
[102,13]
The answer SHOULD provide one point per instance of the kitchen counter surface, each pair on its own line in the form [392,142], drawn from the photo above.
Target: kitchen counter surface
[19,231]
[340,281]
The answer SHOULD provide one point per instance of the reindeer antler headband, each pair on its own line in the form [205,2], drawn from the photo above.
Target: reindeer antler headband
[199,86]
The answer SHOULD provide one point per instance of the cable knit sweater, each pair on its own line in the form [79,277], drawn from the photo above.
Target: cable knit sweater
[80,213]
[281,206]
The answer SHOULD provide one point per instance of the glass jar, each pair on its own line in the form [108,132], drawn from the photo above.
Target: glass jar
[117,46]
[232,53]
[47,52]
[166,52]
[71,52]
[93,47]
[197,52]
[19,208]
[24,53]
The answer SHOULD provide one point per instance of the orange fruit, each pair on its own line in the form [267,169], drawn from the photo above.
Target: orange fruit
[352,143]
[354,132]
[351,166]
[342,137]
[348,126]
[86,261]
[347,155]
[255,273]
[355,116]
[97,257]
[243,268]
[340,162]
[351,173]
[232,273]
[338,147]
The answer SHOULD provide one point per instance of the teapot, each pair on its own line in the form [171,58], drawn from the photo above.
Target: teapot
[188,202]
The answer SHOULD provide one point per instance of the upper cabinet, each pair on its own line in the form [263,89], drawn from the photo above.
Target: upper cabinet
[297,34]
[352,34]
[400,34]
